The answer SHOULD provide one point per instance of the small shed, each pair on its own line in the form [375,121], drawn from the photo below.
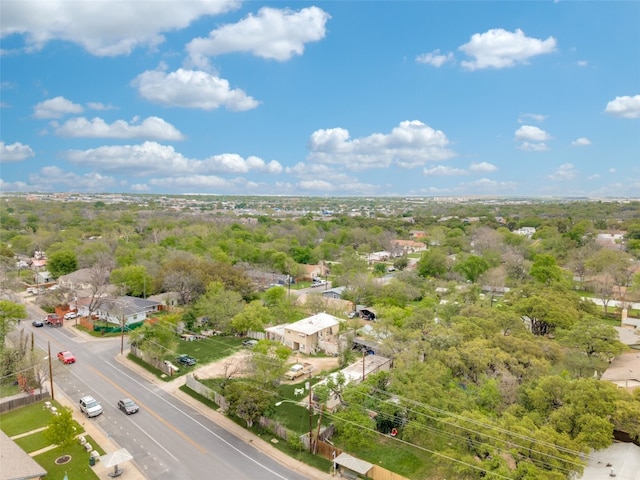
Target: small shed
[351,467]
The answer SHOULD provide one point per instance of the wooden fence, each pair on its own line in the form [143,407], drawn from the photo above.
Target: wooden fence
[323,449]
[155,363]
[11,403]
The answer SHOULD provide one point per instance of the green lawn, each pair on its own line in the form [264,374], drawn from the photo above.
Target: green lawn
[35,416]
[33,442]
[26,419]
[78,467]
[8,389]
[204,351]
[207,350]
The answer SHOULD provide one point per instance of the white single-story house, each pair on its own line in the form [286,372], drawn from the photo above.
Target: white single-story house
[124,310]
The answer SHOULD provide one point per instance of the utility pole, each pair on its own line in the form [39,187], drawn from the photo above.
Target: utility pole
[122,331]
[50,370]
[310,418]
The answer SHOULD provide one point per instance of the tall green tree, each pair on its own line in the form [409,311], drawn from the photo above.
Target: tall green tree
[219,305]
[593,338]
[254,317]
[62,262]
[547,311]
[133,280]
[472,267]
[545,269]
[246,401]
[158,340]
[433,263]
[10,314]
[268,359]
[61,429]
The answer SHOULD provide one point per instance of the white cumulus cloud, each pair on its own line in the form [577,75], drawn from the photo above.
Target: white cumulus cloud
[435,58]
[581,142]
[151,158]
[625,107]
[103,27]
[191,89]
[443,171]
[410,144]
[537,117]
[271,33]
[56,107]
[533,147]
[483,167]
[54,178]
[532,138]
[498,48]
[234,163]
[566,171]
[151,128]
[532,134]
[15,152]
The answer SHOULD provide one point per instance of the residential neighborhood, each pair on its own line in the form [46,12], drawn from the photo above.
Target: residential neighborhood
[461,315]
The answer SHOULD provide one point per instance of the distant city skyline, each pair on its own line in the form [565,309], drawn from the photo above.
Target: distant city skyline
[353,98]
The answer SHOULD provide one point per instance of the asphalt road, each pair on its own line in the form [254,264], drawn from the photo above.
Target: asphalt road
[167,438]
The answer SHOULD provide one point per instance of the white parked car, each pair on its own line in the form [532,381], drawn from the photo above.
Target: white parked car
[90,406]
[70,315]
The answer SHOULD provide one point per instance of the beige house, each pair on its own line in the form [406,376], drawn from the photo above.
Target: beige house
[313,334]
[404,247]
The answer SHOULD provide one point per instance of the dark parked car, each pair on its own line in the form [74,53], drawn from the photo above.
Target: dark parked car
[128,406]
[186,360]
[37,323]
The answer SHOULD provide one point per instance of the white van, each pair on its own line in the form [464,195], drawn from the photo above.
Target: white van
[90,406]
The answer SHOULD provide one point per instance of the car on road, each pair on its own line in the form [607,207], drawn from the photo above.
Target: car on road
[249,343]
[70,315]
[32,290]
[37,323]
[186,360]
[128,406]
[66,357]
[53,320]
[90,406]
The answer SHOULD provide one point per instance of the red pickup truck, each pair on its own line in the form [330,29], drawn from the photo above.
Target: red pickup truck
[53,320]
[66,357]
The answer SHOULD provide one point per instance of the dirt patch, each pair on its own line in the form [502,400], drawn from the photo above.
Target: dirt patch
[63,459]
[240,362]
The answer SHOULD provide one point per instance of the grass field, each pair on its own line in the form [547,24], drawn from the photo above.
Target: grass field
[36,416]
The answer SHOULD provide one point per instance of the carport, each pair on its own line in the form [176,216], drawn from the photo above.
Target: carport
[351,467]
[368,314]
[366,345]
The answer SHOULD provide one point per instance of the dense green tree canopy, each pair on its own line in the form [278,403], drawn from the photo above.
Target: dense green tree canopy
[62,262]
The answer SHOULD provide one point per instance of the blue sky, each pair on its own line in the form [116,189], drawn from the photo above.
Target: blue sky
[334,98]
